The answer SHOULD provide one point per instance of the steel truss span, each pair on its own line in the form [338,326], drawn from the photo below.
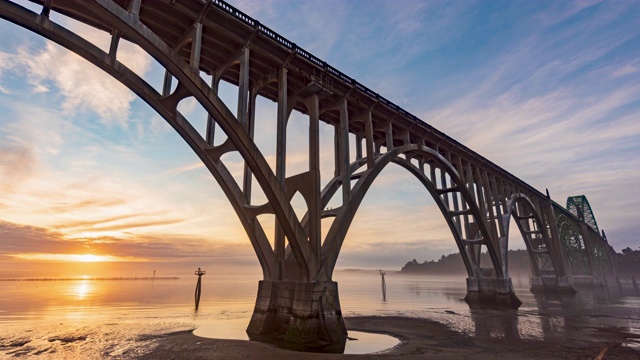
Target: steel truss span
[297,298]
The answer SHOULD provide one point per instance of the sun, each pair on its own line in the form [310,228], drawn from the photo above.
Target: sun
[92,258]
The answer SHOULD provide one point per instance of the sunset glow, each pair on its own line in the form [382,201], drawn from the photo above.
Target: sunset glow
[74,257]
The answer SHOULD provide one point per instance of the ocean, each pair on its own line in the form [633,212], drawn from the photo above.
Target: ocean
[121,317]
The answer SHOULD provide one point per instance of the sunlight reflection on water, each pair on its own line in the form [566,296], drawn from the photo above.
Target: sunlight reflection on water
[81,289]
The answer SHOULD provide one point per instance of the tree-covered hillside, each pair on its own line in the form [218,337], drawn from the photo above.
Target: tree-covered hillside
[452,265]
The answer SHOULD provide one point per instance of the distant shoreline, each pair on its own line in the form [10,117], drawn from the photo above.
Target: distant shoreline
[93,278]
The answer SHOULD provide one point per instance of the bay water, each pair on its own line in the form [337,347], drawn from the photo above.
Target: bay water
[120,318]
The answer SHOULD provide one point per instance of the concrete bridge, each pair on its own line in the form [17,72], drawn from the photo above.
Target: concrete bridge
[297,298]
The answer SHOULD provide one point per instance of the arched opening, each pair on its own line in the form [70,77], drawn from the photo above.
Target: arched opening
[519,262]
[399,216]
[299,205]
[398,222]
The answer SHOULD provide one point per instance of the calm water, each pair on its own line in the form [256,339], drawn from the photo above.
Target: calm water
[109,318]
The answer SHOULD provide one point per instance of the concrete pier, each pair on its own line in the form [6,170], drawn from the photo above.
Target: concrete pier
[491,293]
[300,312]
[552,284]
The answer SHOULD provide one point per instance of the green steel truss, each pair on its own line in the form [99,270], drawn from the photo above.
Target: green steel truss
[580,208]
[574,246]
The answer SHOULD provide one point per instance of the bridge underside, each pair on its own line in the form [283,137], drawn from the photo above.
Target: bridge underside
[297,298]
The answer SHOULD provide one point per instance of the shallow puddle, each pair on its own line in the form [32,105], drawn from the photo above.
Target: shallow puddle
[359,342]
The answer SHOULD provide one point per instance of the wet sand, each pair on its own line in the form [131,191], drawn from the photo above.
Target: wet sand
[420,339]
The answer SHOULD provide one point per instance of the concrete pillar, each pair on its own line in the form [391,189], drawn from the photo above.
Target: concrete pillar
[456,206]
[314,200]
[247,180]
[211,124]
[113,47]
[359,138]
[243,87]
[368,133]
[281,160]
[134,7]
[196,47]
[389,139]
[300,312]
[554,285]
[562,262]
[343,151]
[491,292]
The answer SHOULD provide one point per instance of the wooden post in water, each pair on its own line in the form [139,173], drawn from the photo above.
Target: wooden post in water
[384,286]
[199,286]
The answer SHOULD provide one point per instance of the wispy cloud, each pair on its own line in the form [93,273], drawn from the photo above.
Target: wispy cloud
[81,85]
[185,168]
[40,244]
[628,69]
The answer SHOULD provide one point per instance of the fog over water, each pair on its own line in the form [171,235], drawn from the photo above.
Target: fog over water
[107,318]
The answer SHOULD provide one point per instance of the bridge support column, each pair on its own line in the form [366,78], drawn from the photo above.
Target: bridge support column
[552,284]
[491,293]
[300,312]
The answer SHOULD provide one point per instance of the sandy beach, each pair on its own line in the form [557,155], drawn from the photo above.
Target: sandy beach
[420,339]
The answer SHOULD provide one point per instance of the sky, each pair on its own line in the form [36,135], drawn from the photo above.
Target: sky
[548,90]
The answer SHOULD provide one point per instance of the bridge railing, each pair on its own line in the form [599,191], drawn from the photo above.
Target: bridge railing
[235,12]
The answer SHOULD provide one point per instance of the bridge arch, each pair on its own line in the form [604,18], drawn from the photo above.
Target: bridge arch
[579,206]
[529,221]
[573,245]
[596,251]
[469,235]
[189,84]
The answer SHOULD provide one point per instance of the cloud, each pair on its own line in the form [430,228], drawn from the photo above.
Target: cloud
[36,243]
[16,164]
[135,225]
[625,70]
[25,141]
[73,257]
[82,86]
[185,168]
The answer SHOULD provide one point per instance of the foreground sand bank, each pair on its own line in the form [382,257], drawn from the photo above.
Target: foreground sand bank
[420,338]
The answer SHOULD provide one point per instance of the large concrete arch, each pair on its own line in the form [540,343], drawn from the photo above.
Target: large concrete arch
[545,256]
[190,84]
[522,210]
[345,215]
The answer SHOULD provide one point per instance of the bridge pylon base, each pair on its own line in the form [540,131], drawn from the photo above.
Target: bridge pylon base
[491,293]
[552,284]
[305,313]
